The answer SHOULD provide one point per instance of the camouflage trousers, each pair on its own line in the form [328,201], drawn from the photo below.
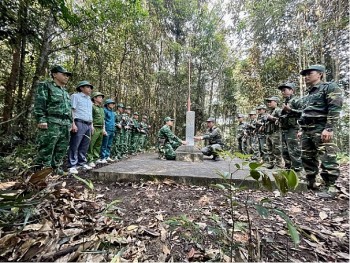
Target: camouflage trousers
[212,149]
[291,149]
[117,147]
[273,149]
[134,142]
[94,151]
[143,142]
[313,151]
[168,150]
[262,148]
[52,145]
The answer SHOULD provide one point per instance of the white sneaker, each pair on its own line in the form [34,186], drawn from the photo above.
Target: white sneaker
[73,170]
[86,167]
[101,161]
[92,164]
[109,160]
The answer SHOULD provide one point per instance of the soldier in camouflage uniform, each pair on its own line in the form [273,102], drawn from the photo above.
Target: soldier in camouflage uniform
[127,125]
[52,111]
[289,127]
[168,142]
[260,131]
[214,138]
[252,141]
[144,130]
[119,136]
[321,108]
[98,120]
[273,135]
[240,132]
[135,131]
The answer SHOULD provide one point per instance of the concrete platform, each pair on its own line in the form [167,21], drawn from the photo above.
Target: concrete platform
[149,167]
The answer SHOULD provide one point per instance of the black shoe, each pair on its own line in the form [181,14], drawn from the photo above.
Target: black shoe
[216,158]
[311,185]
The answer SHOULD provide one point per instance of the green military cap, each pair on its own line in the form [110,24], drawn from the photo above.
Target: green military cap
[317,67]
[289,85]
[253,112]
[136,113]
[58,68]
[109,101]
[262,106]
[273,98]
[96,93]
[83,83]
[120,105]
[240,115]
[210,119]
[168,119]
[128,107]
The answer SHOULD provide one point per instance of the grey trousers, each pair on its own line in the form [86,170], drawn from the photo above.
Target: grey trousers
[79,145]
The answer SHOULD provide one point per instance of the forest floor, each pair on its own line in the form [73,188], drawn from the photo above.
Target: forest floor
[64,219]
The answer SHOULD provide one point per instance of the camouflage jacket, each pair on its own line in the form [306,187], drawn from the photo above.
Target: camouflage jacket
[144,127]
[213,135]
[98,116]
[289,119]
[261,122]
[272,126]
[118,119]
[240,129]
[52,104]
[323,100]
[168,135]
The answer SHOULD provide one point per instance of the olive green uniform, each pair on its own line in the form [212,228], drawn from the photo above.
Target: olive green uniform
[52,105]
[98,117]
[168,142]
[321,109]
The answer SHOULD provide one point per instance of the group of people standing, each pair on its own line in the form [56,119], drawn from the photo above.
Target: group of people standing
[298,133]
[84,124]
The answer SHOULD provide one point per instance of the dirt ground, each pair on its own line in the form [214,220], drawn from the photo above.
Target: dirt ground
[164,221]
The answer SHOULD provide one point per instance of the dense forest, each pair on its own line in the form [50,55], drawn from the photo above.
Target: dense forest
[149,54]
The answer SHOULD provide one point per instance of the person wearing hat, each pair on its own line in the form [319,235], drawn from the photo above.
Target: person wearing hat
[272,131]
[144,130]
[214,138]
[107,142]
[98,120]
[321,109]
[119,137]
[240,132]
[291,110]
[135,131]
[168,142]
[260,131]
[52,111]
[82,127]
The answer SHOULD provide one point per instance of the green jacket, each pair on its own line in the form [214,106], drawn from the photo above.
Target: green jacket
[323,100]
[168,135]
[98,116]
[52,104]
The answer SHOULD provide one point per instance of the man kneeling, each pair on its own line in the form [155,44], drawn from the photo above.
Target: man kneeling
[214,138]
[168,142]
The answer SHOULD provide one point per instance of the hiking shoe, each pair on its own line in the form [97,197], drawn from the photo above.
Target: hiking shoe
[109,160]
[73,170]
[86,166]
[328,192]
[92,164]
[311,185]
[101,161]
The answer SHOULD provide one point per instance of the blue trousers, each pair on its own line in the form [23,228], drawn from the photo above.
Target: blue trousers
[107,145]
[79,145]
